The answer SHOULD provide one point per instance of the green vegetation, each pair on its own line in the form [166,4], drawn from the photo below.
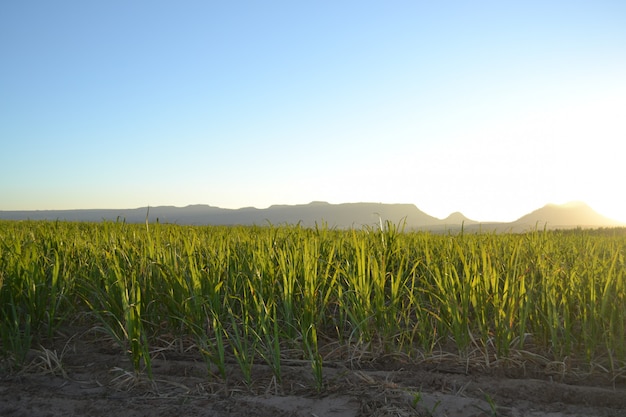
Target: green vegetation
[272,294]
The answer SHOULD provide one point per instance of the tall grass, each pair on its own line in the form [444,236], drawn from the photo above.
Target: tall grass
[270,294]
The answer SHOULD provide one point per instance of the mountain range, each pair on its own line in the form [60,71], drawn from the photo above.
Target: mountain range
[347,215]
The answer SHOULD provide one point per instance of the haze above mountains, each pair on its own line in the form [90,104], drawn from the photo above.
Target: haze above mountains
[347,215]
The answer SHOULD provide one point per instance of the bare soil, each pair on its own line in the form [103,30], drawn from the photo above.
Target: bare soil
[92,376]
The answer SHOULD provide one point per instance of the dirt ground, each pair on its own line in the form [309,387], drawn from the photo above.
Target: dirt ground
[92,377]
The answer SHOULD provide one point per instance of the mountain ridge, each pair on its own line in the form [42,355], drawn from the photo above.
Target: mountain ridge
[566,215]
[344,215]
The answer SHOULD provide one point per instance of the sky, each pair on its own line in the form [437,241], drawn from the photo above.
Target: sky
[490,108]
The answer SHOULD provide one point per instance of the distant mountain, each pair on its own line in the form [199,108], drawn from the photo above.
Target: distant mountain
[349,214]
[458,218]
[570,215]
[333,215]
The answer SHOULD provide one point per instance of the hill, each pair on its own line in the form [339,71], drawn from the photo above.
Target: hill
[345,215]
[570,215]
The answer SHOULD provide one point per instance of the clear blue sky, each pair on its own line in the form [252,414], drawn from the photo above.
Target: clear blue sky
[491,108]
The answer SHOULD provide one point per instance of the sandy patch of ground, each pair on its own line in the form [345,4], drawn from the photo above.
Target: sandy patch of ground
[92,378]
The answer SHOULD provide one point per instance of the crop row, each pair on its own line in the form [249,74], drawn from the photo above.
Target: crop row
[273,293]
